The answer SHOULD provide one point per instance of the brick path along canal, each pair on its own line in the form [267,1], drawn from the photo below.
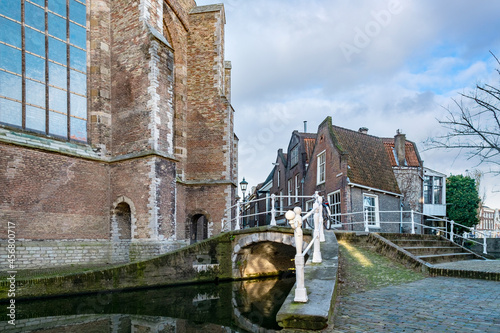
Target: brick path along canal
[439,304]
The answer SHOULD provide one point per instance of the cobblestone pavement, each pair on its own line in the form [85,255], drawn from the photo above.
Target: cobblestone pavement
[473,265]
[439,304]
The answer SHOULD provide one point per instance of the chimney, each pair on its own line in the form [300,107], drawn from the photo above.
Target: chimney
[305,126]
[363,130]
[399,148]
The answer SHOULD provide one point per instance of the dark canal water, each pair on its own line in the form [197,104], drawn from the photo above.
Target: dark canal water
[242,306]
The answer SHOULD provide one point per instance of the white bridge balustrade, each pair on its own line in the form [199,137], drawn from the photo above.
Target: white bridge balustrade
[407,220]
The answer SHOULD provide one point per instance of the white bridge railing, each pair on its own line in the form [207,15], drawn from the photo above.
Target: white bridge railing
[411,220]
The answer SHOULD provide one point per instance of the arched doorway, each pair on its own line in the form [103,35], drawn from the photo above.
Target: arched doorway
[122,221]
[199,228]
[123,217]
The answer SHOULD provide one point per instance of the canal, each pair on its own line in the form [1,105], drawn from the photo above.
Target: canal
[239,306]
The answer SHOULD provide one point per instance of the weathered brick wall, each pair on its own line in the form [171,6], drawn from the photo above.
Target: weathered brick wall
[151,128]
[52,196]
[99,74]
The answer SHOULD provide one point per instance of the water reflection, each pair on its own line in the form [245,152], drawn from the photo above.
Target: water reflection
[244,306]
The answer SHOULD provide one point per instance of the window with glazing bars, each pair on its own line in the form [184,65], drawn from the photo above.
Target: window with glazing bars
[43,67]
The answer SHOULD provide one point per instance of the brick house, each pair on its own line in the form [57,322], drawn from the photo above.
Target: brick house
[361,177]
[116,128]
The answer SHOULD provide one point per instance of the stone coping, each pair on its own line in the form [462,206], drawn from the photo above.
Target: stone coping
[321,284]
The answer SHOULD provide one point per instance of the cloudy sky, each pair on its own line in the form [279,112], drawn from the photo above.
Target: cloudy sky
[381,64]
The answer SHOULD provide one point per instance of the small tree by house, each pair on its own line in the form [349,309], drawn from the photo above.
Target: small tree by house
[462,200]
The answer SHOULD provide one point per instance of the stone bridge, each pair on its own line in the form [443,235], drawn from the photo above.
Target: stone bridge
[264,251]
[238,254]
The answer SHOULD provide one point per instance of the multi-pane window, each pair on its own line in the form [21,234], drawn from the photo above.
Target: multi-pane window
[43,65]
[370,210]
[290,189]
[334,204]
[297,187]
[294,156]
[321,168]
[433,190]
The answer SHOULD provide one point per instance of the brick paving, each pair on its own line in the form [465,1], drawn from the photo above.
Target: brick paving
[473,265]
[439,304]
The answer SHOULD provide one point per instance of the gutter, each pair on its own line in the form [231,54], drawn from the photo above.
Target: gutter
[373,189]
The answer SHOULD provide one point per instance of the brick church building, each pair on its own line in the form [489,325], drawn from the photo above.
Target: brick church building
[116,128]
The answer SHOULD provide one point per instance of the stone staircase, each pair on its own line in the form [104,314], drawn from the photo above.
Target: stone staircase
[431,249]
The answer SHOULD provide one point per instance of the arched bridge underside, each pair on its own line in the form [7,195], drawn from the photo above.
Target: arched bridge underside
[258,252]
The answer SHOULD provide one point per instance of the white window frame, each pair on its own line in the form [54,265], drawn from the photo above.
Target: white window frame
[297,187]
[335,206]
[321,168]
[281,201]
[376,213]
[310,219]
[279,176]
[290,191]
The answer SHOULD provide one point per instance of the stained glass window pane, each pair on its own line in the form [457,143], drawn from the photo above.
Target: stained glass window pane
[58,6]
[35,42]
[35,67]
[58,124]
[34,16]
[11,112]
[77,12]
[10,59]
[78,59]
[57,26]
[11,85]
[57,51]
[78,129]
[57,75]
[78,106]
[78,82]
[77,35]
[11,8]
[35,93]
[58,100]
[10,32]
[35,118]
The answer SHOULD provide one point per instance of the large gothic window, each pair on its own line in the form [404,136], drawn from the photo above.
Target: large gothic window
[43,66]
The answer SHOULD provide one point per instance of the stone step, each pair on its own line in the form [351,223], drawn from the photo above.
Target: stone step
[421,243]
[424,250]
[393,236]
[446,257]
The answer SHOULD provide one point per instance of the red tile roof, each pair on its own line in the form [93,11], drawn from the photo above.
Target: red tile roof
[367,159]
[411,154]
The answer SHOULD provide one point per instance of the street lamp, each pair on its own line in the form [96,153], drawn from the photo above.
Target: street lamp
[243,186]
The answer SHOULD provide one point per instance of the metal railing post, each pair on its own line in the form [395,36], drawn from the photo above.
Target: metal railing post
[484,244]
[321,220]
[412,222]
[273,210]
[365,218]
[238,217]
[452,231]
[317,247]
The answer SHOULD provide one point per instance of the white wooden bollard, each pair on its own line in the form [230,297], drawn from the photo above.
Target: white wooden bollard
[295,221]
[317,247]
[412,222]
[484,244]
[273,209]
[238,217]
[321,220]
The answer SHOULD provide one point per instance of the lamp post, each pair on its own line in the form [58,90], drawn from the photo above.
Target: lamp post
[243,187]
